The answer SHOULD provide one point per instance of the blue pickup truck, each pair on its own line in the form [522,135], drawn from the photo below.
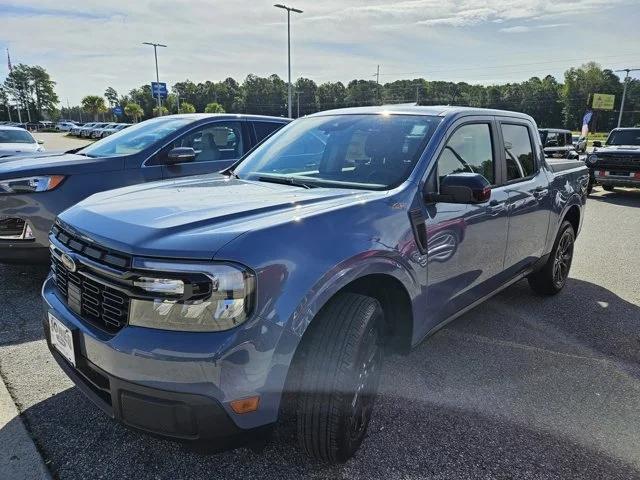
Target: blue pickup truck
[193,308]
[35,188]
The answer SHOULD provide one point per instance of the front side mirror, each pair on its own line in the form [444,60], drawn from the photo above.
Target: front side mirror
[597,143]
[40,142]
[462,188]
[573,155]
[181,155]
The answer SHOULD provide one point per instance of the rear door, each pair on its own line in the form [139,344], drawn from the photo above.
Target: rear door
[217,145]
[527,185]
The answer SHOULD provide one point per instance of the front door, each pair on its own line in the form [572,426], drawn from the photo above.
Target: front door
[217,145]
[465,242]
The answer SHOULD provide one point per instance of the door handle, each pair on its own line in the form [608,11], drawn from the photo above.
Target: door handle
[540,192]
[495,207]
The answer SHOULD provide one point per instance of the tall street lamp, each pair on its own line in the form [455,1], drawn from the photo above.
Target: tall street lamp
[624,90]
[155,52]
[289,10]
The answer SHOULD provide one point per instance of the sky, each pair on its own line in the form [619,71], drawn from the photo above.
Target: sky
[89,45]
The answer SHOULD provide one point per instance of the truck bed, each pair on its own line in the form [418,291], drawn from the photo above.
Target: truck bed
[561,164]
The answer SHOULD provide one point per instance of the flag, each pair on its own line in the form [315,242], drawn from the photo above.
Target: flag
[585,122]
[9,62]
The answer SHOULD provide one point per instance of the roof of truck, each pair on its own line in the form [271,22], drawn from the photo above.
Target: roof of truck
[434,110]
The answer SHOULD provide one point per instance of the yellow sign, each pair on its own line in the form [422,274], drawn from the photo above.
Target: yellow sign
[603,101]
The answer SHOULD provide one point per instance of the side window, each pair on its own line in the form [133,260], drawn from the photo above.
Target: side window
[264,129]
[215,141]
[469,150]
[518,151]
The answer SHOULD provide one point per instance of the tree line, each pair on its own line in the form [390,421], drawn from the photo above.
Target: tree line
[549,102]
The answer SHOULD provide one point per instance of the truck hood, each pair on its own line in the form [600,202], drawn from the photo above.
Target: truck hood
[617,149]
[56,163]
[196,216]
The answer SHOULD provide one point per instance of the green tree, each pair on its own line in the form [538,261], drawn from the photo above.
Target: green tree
[31,88]
[305,92]
[162,111]
[94,104]
[112,96]
[330,95]
[186,107]
[362,92]
[134,111]
[214,107]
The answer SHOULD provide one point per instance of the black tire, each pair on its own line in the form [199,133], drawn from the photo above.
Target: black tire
[341,364]
[608,188]
[553,276]
[589,188]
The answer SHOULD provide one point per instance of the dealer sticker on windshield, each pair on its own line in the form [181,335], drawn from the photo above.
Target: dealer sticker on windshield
[62,339]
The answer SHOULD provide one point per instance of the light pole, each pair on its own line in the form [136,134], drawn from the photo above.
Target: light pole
[155,53]
[624,90]
[289,10]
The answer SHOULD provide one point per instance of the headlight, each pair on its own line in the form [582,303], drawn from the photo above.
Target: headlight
[31,184]
[191,297]
[591,160]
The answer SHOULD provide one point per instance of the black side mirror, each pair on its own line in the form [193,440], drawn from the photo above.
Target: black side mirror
[180,155]
[597,143]
[462,188]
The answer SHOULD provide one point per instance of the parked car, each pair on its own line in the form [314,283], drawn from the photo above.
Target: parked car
[579,143]
[87,132]
[99,130]
[33,190]
[80,129]
[116,128]
[14,140]
[558,143]
[65,126]
[186,308]
[617,162]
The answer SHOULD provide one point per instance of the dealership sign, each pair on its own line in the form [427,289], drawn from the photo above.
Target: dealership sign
[603,101]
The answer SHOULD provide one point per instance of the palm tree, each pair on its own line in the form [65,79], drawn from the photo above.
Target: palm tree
[94,104]
[133,110]
[214,108]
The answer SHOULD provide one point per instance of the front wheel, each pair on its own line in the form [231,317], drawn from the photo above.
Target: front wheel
[341,363]
[553,276]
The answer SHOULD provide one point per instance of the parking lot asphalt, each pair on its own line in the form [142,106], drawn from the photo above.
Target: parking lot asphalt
[520,387]
[60,141]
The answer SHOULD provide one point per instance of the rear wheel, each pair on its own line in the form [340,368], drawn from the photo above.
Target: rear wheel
[341,364]
[553,276]
[608,188]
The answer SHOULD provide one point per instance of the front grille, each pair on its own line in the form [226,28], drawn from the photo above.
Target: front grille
[11,227]
[624,162]
[89,249]
[95,302]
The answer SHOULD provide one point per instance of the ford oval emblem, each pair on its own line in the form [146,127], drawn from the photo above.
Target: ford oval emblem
[68,262]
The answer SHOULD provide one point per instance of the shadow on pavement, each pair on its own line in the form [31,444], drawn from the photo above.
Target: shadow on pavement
[408,439]
[624,198]
[21,304]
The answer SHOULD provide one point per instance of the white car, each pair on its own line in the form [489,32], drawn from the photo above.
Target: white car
[116,128]
[65,126]
[14,140]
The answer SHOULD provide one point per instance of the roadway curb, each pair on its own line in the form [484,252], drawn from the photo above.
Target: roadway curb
[19,457]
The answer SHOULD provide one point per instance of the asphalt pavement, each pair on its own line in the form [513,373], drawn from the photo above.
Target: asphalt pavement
[521,387]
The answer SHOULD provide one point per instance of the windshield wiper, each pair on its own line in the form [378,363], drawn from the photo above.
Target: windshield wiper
[284,181]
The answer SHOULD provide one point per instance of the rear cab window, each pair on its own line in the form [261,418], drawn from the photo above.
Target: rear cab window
[519,152]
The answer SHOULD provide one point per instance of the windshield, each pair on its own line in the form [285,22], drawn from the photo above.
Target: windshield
[136,138]
[360,151]
[624,137]
[16,136]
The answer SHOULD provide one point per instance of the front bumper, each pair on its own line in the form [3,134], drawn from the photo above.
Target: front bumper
[619,181]
[176,385]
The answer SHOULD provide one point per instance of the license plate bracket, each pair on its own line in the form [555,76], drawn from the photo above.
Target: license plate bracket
[62,339]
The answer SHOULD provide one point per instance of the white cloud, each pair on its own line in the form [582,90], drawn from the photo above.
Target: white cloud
[88,45]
